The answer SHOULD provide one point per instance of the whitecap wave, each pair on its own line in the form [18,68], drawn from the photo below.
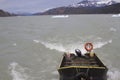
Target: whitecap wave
[14,44]
[71,47]
[116,15]
[113,29]
[60,16]
[17,72]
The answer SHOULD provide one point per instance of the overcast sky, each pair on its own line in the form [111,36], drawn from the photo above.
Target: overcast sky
[33,5]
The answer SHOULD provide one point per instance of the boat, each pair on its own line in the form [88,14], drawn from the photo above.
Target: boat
[76,66]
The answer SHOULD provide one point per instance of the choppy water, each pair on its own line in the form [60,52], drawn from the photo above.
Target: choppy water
[31,47]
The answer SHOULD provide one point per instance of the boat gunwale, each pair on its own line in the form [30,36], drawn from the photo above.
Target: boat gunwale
[91,67]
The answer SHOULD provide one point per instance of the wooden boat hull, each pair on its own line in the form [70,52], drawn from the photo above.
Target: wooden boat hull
[82,72]
[75,73]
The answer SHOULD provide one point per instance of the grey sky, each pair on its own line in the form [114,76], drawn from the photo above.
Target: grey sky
[33,5]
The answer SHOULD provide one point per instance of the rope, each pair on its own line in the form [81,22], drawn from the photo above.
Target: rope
[87,73]
[77,70]
[80,74]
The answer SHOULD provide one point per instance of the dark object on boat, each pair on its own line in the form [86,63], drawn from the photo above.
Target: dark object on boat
[87,67]
[78,52]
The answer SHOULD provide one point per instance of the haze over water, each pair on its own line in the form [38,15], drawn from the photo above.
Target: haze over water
[31,47]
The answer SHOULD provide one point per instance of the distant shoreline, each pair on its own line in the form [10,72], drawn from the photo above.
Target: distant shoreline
[110,9]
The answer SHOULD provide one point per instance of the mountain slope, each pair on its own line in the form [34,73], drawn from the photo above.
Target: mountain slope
[86,7]
[5,14]
[110,9]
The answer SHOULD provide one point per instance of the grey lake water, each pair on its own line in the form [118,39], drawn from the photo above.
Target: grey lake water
[31,47]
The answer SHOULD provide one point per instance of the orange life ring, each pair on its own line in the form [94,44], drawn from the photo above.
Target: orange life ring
[88,46]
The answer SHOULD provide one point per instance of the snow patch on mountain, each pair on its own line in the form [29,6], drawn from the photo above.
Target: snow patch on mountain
[94,3]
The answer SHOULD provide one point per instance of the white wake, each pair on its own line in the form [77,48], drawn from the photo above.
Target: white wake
[17,72]
[72,46]
[114,74]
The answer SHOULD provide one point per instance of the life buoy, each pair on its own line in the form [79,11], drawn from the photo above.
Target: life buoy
[88,47]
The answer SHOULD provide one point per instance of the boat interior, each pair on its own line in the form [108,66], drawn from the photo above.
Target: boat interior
[86,60]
